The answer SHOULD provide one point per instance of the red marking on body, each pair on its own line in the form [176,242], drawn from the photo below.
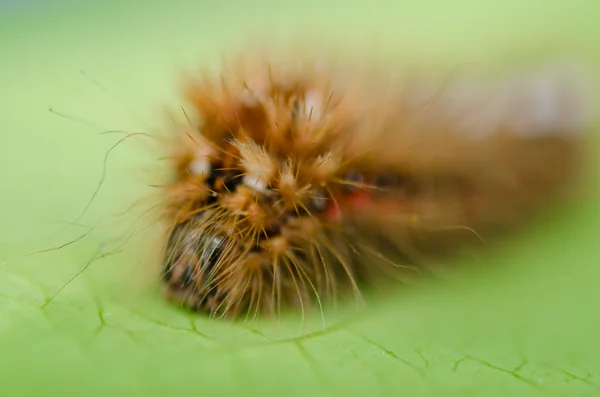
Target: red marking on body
[356,202]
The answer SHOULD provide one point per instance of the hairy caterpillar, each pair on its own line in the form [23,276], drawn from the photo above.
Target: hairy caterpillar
[295,181]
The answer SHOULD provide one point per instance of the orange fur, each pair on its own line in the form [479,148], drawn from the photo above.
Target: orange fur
[293,180]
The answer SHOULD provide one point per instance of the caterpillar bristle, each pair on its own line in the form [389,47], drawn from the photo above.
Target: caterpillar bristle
[295,183]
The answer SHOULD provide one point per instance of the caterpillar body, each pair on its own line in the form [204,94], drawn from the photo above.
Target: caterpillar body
[297,181]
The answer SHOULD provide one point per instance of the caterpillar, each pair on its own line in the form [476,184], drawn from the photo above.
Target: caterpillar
[297,181]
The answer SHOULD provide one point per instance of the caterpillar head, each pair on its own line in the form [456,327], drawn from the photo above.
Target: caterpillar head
[253,200]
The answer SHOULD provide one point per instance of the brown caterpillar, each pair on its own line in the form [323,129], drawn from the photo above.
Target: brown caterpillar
[296,180]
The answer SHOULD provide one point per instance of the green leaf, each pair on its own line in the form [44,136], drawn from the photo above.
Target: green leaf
[523,322]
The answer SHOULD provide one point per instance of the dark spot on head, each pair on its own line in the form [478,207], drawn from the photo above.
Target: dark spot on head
[208,292]
[273,230]
[231,182]
[187,276]
[211,199]
[212,178]
[220,179]
[210,249]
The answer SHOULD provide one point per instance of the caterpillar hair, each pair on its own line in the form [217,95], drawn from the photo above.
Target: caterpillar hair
[296,181]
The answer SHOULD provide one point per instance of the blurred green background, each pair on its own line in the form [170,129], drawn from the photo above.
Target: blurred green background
[524,322]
